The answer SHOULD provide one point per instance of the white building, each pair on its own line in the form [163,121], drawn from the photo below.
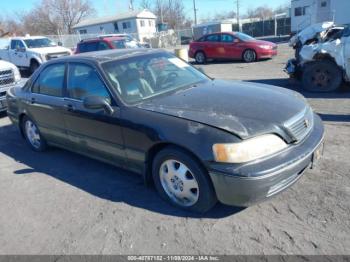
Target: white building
[141,24]
[308,12]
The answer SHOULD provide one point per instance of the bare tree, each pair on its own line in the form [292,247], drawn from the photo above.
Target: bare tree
[168,11]
[56,16]
[261,12]
[146,4]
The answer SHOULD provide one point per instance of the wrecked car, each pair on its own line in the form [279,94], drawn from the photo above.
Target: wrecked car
[197,139]
[322,57]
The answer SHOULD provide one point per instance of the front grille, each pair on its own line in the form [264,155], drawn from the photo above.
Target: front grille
[56,55]
[5,72]
[299,126]
[6,77]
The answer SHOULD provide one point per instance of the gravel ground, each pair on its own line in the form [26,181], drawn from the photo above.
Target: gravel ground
[62,203]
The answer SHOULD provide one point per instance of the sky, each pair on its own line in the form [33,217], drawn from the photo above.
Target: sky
[110,7]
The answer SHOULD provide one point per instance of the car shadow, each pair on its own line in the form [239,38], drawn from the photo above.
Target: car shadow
[292,84]
[94,177]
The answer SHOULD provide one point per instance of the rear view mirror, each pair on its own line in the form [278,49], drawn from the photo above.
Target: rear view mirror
[236,40]
[59,44]
[97,102]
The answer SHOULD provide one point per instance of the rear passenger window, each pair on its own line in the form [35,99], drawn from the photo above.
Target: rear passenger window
[83,81]
[50,81]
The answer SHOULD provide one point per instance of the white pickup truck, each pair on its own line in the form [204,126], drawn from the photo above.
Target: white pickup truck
[31,51]
[9,77]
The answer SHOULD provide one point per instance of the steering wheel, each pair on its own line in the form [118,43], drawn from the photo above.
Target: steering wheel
[168,79]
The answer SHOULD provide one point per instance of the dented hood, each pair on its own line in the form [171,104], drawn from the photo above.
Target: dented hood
[310,32]
[242,108]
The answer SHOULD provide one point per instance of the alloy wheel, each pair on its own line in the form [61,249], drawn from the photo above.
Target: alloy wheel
[179,183]
[32,133]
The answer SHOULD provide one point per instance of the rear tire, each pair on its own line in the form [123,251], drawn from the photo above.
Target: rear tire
[249,56]
[32,135]
[321,76]
[182,181]
[200,57]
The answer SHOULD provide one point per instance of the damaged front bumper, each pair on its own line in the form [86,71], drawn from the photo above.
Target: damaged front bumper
[254,182]
[291,68]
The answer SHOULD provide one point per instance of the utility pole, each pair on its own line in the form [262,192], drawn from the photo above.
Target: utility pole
[237,13]
[195,12]
[131,5]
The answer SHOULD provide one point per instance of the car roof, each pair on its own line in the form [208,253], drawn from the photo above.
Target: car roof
[104,38]
[109,55]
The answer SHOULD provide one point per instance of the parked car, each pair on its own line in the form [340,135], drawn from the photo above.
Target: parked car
[100,43]
[197,139]
[130,41]
[9,77]
[322,57]
[31,51]
[231,45]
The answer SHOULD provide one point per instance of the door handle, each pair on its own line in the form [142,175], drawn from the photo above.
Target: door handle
[69,107]
[32,100]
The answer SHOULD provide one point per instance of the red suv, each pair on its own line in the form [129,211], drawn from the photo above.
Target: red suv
[231,45]
[100,43]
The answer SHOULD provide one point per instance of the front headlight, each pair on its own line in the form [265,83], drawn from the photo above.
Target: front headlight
[265,46]
[16,74]
[248,150]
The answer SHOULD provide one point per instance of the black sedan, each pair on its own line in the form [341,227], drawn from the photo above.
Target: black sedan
[197,139]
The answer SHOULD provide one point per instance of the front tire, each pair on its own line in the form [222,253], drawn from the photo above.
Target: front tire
[200,57]
[182,181]
[249,56]
[32,135]
[321,76]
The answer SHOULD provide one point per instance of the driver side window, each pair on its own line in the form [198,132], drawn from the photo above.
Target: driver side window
[84,81]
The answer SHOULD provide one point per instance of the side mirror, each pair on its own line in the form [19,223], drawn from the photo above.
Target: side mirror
[59,44]
[97,102]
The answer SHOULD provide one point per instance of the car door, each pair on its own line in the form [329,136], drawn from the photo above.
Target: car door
[17,53]
[93,132]
[212,46]
[231,45]
[45,103]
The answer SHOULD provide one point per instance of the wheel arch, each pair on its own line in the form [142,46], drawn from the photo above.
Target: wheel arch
[20,119]
[155,149]
[251,49]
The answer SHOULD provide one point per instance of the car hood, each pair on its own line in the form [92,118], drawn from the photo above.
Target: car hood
[242,108]
[6,65]
[50,50]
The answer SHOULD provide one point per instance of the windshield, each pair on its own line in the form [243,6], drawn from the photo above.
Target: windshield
[39,42]
[244,37]
[143,77]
